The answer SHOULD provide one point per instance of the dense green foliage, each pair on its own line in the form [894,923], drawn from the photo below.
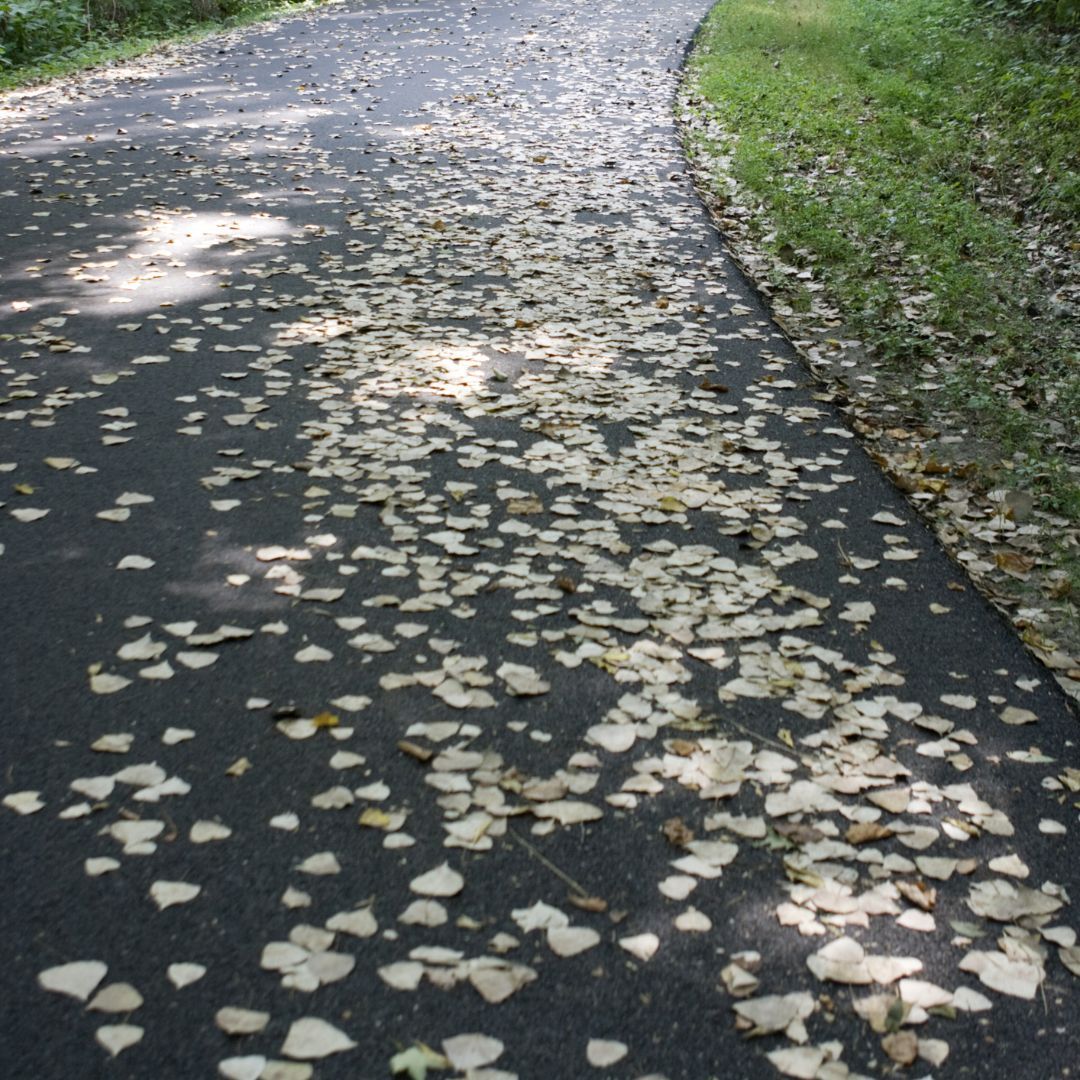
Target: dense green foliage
[916,154]
[1058,14]
[32,31]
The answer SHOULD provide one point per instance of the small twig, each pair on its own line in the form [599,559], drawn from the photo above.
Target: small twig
[845,558]
[173,832]
[761,738]
[560,874]
[419,753]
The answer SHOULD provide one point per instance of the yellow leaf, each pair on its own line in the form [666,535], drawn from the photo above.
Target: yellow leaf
[530,505]
[24,489]
[416,1061]
[373,818]
[326,719]
[785,736]
[803,877]
[669,504]
[238,767]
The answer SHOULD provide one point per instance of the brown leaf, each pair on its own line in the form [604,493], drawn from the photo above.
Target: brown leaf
[1014,564]
[901,1046]
[683,747]
[799,833]
[865,832]
[532,505]
[588,903]
[918,893]
[677,833]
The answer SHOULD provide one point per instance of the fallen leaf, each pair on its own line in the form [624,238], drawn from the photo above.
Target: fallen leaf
[568,811]
[203,832]
[471,1051]
[403,975]
[522,681]
[901,1046]
[118,1037]
[310,1039]
[236,1021]
[693,921]
[777,1012]
[313,654]
[602,1053]
[1005,902]
[181,975]
[416,1061]
[169,893]
[1017,978]
[78,979]
[321,864]
[246,1067]
[442,881]
[135,562]
[642,946]
[24,802]
[116,998]
[571,940]
[105,683]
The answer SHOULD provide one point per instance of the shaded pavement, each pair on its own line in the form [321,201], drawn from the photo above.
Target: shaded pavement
[436,603]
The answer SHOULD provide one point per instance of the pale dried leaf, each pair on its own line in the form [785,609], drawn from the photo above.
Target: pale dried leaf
[642,946]
[117,1038]
[310,1039]
[471,1051]
[78,979]
[442,881]
[602,1053]
[169,893]
[181,975]
[571,940]
[116,998]
[234,1020]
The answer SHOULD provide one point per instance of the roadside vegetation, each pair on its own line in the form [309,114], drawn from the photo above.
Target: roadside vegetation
[45,38]
[903,178]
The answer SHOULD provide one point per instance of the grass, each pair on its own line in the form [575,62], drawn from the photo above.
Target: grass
[65,50]
[922,158]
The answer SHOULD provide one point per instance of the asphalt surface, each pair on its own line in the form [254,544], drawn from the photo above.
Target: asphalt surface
[413,309]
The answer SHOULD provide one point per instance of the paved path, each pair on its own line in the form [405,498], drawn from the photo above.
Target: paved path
[436,604]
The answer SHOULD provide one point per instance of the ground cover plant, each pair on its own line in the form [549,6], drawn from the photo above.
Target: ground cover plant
[39,38]
[911,172]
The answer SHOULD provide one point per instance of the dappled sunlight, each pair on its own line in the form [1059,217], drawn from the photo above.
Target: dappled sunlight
[454,372]
[179,234]
[464,373]
[225,577]
[176,256]
[276,121]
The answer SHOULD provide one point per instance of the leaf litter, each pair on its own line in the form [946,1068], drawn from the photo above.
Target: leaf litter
[666,562]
